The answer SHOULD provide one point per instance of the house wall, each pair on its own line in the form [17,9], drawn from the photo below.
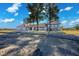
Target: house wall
[54,27]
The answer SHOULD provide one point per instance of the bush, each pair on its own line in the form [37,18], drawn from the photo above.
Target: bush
[76,27]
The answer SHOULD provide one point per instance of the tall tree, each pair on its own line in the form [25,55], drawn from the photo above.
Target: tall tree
[50,13]
[39,10]
[53,10]
[28,21]
[35,10]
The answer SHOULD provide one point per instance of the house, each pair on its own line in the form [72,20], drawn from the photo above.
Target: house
[29,26]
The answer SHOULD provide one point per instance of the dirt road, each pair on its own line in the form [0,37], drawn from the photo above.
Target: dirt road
[26,44]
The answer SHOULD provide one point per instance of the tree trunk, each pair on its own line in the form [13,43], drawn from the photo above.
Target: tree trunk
[46,27]
[37,25]
[49,18]
[49,22]
[37,18]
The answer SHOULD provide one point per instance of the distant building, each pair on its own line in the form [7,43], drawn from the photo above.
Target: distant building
[54,26]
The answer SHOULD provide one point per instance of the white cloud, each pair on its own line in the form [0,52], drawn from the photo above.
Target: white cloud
[21,22]
[14,8]
[7,20]
[70,23]
[73,22]
[77,21]
[66,9]
[63,17]
[61,10]
[16,14]
[64,22]
[77,12]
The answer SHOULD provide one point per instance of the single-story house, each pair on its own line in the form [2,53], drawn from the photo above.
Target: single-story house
[54,26]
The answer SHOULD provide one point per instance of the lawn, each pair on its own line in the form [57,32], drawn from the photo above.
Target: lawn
[73,32]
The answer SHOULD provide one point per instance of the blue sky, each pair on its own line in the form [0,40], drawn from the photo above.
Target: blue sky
[69,14]
[12,14]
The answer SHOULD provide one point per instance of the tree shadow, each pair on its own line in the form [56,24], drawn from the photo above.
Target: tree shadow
[11,39]
[43,47]
[46,49]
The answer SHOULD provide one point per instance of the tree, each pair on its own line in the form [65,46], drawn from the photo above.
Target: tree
[40,11]
[76,26]
[35,10]
[50,12]
[28,21]
[53,10]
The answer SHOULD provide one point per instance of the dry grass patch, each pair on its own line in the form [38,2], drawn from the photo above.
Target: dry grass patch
[73,32]
[3,31]
[7,30]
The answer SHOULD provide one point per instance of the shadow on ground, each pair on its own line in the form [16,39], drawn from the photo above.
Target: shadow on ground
[59,45]
[34,44]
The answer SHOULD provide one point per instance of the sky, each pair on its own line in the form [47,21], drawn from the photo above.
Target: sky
[12,14]
[69,14]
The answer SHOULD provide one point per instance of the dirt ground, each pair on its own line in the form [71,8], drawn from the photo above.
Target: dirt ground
[25,44]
